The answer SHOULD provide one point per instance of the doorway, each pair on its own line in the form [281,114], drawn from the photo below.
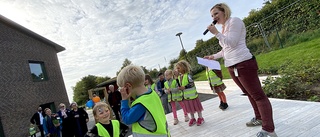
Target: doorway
[48,105]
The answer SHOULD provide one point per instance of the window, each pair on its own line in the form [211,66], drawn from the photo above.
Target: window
[38,71]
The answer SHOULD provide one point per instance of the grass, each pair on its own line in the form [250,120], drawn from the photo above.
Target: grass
[300,53]
[202,75]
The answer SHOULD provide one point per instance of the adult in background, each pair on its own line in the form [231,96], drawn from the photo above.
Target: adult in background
[114,100]
[51,124]
[66,125]
[37,119]
[163,95]
[79,119]
[242,66]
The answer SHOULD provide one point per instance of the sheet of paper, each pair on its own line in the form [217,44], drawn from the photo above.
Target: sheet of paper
[212,64]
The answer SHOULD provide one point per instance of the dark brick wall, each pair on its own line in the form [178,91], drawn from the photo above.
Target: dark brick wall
[20,96]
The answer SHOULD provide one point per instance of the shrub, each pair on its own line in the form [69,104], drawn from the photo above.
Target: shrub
[295,81]
[272,70]
[256,45]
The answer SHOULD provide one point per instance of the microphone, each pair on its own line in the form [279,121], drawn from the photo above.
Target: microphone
[214,23]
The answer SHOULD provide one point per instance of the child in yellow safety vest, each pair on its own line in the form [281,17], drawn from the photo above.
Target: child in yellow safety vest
[215,81]
[105,125]
[174,95]
[150,84]
[145,113]
[190,94]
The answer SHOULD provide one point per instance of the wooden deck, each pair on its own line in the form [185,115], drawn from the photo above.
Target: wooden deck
[291,118]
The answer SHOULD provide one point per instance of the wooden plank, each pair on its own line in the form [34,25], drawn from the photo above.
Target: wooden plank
[312,132]
[292,118]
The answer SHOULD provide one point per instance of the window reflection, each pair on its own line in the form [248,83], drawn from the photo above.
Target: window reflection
[37,71]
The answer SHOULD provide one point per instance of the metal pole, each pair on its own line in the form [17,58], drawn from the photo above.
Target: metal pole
[263,35]
[185,55]
[281,46]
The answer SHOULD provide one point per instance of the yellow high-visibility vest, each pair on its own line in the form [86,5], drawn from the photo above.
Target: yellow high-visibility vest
[104,133]
[190,93]
[175,94]
[214,80]
[154,123]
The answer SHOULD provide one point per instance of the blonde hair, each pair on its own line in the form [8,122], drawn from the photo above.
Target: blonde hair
[224,8]
[131,74]
[169,72]
[175,73]
[101,105]
[184,65]
[61,105]
[45,110]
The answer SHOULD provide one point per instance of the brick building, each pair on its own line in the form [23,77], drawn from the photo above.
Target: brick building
[30,76]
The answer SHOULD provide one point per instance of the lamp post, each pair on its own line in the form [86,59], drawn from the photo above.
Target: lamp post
[185,55]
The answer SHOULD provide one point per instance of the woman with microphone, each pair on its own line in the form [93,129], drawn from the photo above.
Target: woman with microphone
[242,66]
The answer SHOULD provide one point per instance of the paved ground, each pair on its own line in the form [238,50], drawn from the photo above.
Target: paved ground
[292,118]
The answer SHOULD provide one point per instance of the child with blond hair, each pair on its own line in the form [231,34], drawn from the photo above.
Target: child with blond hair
[190,95]
[215,81]
[174,95]
[145,113]
[106,126]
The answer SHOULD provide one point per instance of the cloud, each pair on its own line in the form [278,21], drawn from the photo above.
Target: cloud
[99,34]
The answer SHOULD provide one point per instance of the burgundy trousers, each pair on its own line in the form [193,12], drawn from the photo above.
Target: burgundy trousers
[246,77]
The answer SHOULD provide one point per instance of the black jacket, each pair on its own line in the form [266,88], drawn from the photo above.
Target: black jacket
[114,98]
[79,123]
[36,118]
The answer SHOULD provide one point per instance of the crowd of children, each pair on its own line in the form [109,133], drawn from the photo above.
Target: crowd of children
[142,108]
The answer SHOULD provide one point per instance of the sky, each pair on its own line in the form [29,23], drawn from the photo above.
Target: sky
[100,34]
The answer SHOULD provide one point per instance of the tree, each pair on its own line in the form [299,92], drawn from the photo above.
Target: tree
[125,63]
[172,62]
[162,70]
[154,73]
[145,70]
[183,54]
[102,79]
[267,2]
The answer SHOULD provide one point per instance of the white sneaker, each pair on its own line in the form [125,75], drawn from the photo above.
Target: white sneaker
[186,118]
[264,133]
[175,121]
[254,122]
